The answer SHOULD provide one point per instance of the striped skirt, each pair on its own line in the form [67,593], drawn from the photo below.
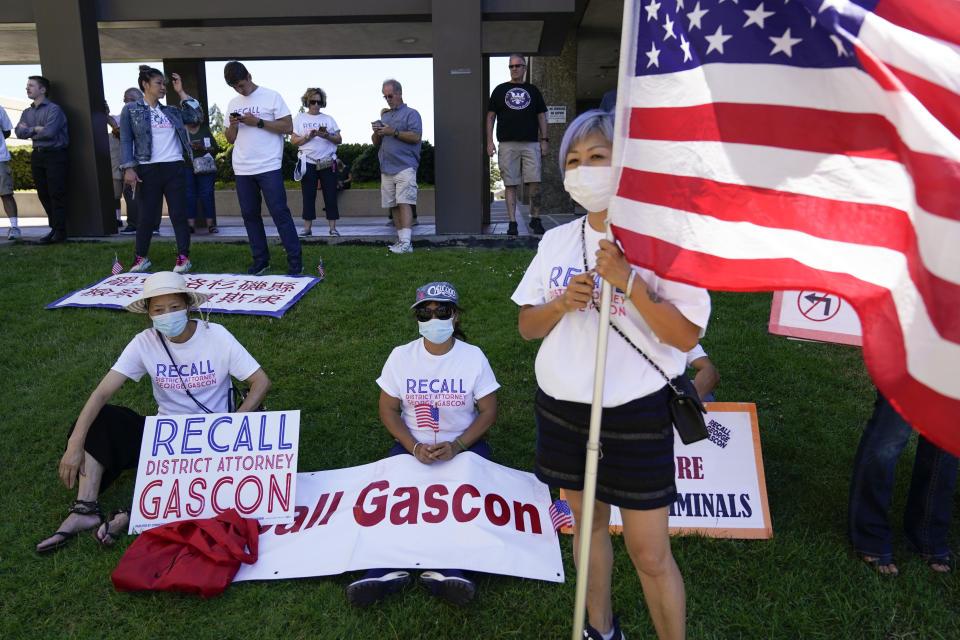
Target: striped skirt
[636,444]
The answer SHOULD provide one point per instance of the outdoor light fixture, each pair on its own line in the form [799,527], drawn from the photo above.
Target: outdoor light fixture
[407,40]
[193,44]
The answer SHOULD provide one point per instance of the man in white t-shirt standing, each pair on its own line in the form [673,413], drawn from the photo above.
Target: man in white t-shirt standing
[6,178]
[259,118]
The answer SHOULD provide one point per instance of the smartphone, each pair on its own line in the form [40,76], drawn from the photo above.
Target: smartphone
[377,123]
[236,114]
[321,129]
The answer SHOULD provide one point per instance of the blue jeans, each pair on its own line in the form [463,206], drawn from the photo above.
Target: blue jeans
[158,181]
[270,184]
[308,187]
[200,186]
[926,517]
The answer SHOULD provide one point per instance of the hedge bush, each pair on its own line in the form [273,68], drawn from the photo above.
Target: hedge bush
[19,164]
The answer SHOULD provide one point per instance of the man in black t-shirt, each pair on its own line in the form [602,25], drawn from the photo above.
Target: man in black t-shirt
[521,117]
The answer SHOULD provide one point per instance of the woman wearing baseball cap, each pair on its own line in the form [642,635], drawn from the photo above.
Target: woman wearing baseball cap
[105,439]
[433,431]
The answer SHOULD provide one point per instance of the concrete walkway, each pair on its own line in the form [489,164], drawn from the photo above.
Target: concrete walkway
[353,230]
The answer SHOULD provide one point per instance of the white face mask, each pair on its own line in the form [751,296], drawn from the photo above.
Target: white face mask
[436,330]
[590,187]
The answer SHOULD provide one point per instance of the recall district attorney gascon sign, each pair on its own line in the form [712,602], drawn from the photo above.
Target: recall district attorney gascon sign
[196,466]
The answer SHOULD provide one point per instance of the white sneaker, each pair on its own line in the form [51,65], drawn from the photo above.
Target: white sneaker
[140,264]
[183,264]
[401,247]
[13,233]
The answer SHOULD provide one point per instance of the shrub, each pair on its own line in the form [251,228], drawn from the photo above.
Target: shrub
[20,167]
[366,168]
[348,152]
[425,174]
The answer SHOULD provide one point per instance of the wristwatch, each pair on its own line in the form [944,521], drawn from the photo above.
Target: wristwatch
[396,133]
[260,123]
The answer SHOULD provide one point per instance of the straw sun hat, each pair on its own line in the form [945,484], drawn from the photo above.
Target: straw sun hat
[162,283]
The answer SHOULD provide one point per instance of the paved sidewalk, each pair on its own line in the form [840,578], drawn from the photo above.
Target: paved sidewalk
[353,230]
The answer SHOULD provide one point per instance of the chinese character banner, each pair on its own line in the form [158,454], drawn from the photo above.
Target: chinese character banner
[229,293]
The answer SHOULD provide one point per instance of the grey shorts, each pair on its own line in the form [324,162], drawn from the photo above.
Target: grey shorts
[6,179]
[519,160]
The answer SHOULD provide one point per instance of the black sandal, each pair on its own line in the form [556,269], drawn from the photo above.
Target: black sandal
[81,508]
[110,537]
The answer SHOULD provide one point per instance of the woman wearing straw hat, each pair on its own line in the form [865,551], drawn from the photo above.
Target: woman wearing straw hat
[557,296]
[432,433]
[105,439]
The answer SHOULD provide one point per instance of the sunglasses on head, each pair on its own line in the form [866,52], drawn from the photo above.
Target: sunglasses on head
[441,312]
[314,102]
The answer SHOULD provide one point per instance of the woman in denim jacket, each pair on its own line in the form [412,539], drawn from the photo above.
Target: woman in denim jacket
[153,147]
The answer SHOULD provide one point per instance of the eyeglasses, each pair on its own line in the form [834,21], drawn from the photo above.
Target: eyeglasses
[441,312]
[516,66]
[315,102]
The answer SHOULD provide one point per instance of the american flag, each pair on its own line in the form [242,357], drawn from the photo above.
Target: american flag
[791,144]
[560,514]
[428,416]
[117,267]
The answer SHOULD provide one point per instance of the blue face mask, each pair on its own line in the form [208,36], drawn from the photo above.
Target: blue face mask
[170,324]
[437,331]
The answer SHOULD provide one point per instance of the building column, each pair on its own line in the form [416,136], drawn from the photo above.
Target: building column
[69,46]
[556,77]
[193,73]
[459,109]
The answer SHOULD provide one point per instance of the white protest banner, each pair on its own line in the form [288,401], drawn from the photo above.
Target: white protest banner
[196,466]
[721,489]
[466,513]
[814,315]
[229,293]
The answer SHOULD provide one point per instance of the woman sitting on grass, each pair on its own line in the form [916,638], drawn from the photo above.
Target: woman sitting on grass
[433,434]
[105,439]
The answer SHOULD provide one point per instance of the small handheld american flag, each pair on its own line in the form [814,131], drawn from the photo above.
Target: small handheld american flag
[117,267]
[428,417]
[320,268]
[560,514]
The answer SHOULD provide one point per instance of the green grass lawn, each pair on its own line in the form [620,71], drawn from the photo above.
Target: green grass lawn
[323,358]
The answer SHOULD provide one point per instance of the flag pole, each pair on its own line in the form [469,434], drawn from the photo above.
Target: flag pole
[593,457]
[628,47]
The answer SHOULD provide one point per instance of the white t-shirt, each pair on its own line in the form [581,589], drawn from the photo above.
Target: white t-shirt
[318,148]
[694,354]
[206,361]
[257,150]
[165,146]
[5,125]
[567,356]
[439,390]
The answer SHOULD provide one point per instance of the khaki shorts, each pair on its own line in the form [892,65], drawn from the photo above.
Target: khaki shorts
[6,179]
[398,188]
[516,155]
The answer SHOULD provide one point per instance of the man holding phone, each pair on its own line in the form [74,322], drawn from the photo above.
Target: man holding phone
[397,136]
[259,119]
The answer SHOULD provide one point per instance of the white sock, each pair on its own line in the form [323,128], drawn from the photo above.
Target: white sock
[608,635]
[404,234]
[119,216]
[13,221]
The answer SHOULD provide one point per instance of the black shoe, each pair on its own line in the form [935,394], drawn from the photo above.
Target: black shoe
[54,237]
[295,271]
[367,590]
[129,229]
[258,269]
[536,226]
[512,229]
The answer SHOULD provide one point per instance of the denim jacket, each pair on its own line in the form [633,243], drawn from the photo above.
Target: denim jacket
[136,136]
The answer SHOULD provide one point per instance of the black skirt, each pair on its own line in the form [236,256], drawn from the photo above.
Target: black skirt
[635,470]
[114,441]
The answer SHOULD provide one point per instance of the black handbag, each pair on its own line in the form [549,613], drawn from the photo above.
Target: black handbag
[686,409]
